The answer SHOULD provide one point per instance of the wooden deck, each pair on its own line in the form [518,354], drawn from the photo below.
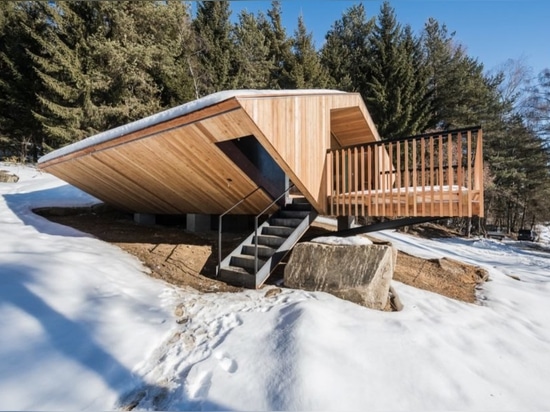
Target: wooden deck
[439,175]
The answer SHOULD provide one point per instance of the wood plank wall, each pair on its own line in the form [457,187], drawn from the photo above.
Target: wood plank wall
[296,130]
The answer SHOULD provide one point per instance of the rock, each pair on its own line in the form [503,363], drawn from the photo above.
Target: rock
[7,177]
[395,301]
[272,292]
[179,311]
[358,273]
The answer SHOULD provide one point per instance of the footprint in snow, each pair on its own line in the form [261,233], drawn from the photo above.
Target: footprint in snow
[226,362]
[199,389]
[231,321]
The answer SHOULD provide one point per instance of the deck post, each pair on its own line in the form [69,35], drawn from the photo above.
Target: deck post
[345,222]
[144,219]
[198,222]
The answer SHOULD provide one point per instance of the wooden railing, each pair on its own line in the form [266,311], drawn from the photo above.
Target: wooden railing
[438,174]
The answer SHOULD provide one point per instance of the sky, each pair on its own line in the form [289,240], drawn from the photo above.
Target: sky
[493,31]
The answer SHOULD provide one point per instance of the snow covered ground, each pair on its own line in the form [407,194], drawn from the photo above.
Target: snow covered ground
[83,327]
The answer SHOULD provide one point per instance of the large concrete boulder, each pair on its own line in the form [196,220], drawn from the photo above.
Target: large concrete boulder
[359,273]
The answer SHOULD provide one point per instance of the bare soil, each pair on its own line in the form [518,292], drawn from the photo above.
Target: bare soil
[189,259]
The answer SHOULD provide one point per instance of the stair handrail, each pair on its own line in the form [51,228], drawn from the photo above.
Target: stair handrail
[256,226]
[220,220]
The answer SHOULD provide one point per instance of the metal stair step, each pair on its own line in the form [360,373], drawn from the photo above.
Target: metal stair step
[246,262]
[237,276]
[269,240]
[294,214]
[282,231]
[263,251]
[281,221]
[300,200]
[298,206]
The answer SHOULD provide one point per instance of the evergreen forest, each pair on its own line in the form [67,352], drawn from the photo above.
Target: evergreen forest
[70,69]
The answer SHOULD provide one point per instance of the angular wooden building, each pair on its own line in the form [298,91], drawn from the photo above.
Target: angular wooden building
[238,151]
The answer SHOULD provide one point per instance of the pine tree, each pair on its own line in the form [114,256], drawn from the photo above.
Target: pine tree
[108,63]
[143,54]
[215,48]
[253,66]
[460,92]
[66,72]
[397,83]
[419,96]
[280,49]
[6,14]
[171,38]
[538,105]
[345,52]
[520,165]
[94,75]
[20,132]
[306,70]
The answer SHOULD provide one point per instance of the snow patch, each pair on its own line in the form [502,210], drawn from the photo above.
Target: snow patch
[343,241]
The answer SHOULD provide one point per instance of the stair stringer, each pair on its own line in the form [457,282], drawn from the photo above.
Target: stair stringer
[280,253]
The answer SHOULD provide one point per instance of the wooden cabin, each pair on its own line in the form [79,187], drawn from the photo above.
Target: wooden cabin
[236,152]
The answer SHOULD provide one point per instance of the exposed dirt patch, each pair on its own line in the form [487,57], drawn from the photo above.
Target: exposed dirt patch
[188,259]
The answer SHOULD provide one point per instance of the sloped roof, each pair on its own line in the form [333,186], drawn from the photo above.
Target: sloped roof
[171,162]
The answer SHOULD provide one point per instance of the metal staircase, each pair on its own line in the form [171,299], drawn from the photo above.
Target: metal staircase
[251,263]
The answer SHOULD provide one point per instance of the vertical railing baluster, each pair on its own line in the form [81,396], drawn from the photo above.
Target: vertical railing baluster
[407,182]
[391,168]
[355,180]
[415,177]
[349,181]
[469,171]
[460,174]
[479,171]
[362,167]
[450,175]
[330,183]
[423,174]
[382,176]
[398,177]
[369,178]
[337,167]
[432,177]
[376,180]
